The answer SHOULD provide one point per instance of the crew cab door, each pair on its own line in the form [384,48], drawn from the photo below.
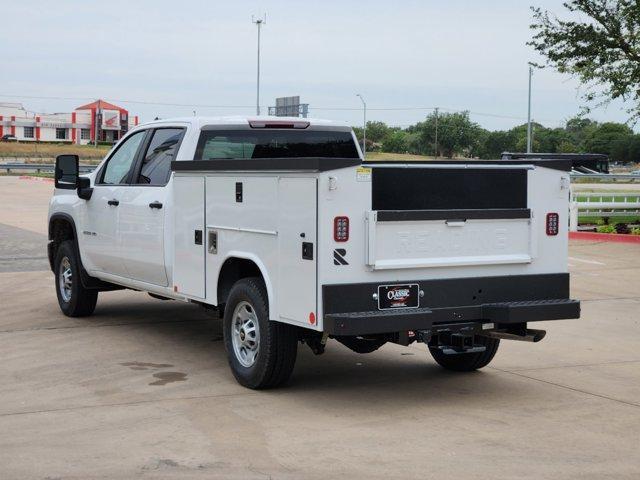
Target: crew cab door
[98,234]
[143,208]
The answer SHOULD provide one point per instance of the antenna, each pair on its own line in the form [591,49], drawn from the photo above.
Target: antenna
[259,22]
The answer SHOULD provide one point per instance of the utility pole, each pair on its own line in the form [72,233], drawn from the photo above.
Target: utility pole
[364,126]
[529,111]
[95,127]
[259,22]
[436,142]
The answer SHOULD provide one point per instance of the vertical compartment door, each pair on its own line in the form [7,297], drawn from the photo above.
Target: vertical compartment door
[189,233]
[297,249]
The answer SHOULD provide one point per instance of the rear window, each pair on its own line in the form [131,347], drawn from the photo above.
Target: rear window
[271,143]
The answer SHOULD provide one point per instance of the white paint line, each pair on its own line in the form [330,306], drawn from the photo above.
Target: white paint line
[592,262]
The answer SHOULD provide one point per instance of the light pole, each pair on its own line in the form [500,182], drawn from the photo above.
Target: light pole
[436,141]
[364,126]
[529,111]
[259,22]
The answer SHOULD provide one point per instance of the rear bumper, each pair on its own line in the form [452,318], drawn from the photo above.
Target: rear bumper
[350,309]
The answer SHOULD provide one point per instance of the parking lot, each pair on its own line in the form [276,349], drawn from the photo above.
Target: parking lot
[143,388]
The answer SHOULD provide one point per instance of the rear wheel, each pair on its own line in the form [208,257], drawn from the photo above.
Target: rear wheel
[73,298]
[467,362]
[261,352]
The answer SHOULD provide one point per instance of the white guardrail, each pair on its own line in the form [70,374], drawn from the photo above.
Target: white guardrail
[602,205]
[612,177]
[39,167]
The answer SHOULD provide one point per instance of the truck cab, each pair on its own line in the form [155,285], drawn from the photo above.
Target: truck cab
[280,226]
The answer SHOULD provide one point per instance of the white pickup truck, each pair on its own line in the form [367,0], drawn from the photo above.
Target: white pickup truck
[279,225]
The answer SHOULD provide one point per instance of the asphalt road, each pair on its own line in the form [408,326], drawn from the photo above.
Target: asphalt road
[142,388]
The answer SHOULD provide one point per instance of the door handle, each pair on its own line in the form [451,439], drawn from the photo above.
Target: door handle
[113,202]
[155,205]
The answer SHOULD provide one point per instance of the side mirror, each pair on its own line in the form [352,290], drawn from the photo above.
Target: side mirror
[84,188]
[66,175]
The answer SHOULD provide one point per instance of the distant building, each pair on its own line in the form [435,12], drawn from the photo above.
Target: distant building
[108,121]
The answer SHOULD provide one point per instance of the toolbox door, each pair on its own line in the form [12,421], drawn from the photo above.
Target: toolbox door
[297,250]
[189,222]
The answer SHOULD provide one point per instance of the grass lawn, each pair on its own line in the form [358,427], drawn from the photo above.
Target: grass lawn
[612,220]
[49,150]
[29,174]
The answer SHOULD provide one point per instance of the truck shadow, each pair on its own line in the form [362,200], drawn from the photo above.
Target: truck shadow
[393,377]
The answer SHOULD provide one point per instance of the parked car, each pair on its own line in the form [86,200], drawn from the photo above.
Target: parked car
[8,138]
[280,226]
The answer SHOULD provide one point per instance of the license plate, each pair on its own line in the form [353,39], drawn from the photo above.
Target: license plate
[398,296]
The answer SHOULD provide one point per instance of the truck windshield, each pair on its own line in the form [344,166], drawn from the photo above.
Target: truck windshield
[271,143]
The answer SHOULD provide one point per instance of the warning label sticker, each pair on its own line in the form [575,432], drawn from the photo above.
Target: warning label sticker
[363,174]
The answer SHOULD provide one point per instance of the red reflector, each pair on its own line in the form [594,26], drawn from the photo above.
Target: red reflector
[341,229]
[553,222]
[312,318]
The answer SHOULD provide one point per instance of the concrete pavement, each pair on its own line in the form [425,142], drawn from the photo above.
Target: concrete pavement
[142,388]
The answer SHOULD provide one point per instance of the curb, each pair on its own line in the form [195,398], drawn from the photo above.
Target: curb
[37,179]
[604,237]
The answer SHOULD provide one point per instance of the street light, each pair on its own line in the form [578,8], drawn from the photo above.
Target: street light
[364,126]
[529,111]
[259,22]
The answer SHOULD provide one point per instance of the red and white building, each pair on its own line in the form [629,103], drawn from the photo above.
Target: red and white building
[102,119]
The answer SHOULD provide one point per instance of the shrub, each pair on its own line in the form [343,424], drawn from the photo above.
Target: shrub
[606,229]
[621,228]
[635,231]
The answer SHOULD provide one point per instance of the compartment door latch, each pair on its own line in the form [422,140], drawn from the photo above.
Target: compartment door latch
[307,251]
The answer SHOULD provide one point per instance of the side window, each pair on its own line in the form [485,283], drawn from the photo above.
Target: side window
[119,165]
[156,164]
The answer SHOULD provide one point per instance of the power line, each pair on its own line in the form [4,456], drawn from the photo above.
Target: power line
[354,109]
[137,102]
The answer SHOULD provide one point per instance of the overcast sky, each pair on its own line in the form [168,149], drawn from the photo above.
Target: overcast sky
[455,54]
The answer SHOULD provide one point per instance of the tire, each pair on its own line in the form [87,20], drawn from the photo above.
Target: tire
[261,353]
[73,298]
[467,362]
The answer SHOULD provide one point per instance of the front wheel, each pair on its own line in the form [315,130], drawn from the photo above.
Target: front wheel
[261,352]
[73,298]
[467,362]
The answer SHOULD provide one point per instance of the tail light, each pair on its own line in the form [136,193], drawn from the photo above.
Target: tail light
[341,229]
[552,223]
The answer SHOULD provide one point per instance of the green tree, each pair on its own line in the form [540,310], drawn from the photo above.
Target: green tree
[376,131]
[633,153]
[414,143]
[619,151]
[493,144]
[457,134]
[395,141]
[602,138]
[600,46]
[578,128]
[567,146]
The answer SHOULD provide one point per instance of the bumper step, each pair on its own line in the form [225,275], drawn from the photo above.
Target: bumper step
[361,323]
[531,311]
[389,321]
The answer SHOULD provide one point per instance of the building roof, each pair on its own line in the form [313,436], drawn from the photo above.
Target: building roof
[100,104]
